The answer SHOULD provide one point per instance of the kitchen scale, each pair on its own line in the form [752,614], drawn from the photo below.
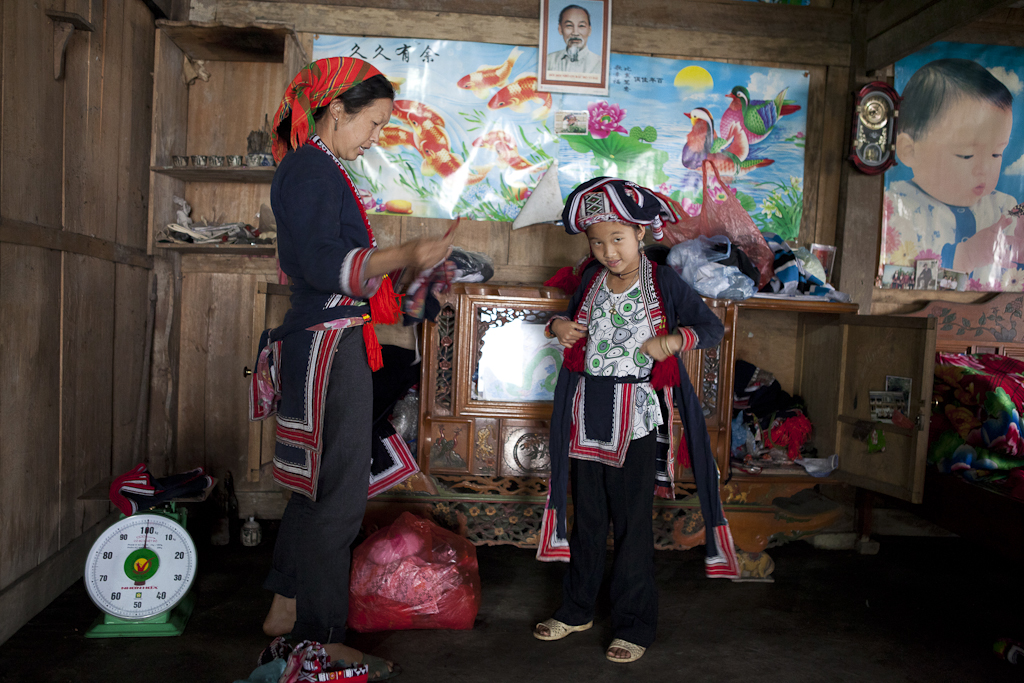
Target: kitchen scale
[139,572]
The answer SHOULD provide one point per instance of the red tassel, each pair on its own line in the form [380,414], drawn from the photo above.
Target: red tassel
[384,307]
[372,347]
[575,356]
[684,452]
[665,373]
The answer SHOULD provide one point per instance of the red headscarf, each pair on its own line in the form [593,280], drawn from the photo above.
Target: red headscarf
[314,87]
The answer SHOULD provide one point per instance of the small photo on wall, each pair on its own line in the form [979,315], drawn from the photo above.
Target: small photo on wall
[926,275]
[951,280]
[897,277]
[884,403]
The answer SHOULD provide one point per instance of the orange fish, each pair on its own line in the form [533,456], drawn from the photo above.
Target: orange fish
[504,145]
[486,77]
[416,114]
[519,93]
[394,136]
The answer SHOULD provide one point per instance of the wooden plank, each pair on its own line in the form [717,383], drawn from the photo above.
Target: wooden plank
[259,324]
[679,39]
[136,117]
[858,238]
[265,266]
[87,345]
[525,274]
[923,28]
[31,146]
[240,97]
[249,43]
[817,77]
[163,397]
[833,152]
[799,23]
[24,599]
[903,301]
[545,245]
[219,203]
[33,235]
[229,345]
[131,369]
[168,132]
[486,237]
[221,174]
[768,339]
[892,13]
[29,408]
[820,343]
[197,301]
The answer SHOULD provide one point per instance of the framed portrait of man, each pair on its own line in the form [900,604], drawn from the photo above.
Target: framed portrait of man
[575,46]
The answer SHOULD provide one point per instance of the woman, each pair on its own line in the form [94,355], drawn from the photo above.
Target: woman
[334,109]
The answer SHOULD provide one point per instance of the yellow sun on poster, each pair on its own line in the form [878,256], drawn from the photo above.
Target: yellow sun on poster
[694,79]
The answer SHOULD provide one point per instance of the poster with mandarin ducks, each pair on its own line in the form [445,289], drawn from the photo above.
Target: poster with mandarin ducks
[470,135]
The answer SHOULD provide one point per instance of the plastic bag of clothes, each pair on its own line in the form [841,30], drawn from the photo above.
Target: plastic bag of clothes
[702,264]
[721,214]
[413,574]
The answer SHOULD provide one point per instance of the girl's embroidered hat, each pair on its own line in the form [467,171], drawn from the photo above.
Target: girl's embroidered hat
[613,200]
[314,87]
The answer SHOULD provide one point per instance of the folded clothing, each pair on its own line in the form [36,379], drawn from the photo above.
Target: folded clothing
[137,489]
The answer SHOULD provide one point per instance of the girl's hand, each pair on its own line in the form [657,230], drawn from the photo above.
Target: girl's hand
[661,347]
[568,332]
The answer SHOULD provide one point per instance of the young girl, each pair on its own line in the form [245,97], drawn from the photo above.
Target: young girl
[623,331]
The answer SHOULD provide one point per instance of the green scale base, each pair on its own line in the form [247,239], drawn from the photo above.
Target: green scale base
[170,623]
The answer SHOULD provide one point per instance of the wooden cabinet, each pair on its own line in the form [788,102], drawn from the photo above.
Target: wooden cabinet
[487,454]
[204,325]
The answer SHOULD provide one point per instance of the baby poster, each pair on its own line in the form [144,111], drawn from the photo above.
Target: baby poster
[953,197]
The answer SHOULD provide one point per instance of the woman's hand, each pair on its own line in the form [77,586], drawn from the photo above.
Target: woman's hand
[567,332]
[427,253]
[661,347]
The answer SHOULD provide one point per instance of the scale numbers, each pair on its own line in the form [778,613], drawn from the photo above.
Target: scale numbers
[140,567]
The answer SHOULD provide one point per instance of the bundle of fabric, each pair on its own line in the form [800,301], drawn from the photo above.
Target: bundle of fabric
[793,277]
[137,489]
[976,425]
[769,426]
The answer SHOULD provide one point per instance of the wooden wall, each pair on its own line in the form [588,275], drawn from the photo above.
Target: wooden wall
[74,283]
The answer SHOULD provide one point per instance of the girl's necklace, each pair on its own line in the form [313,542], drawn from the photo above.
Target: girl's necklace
[616,298]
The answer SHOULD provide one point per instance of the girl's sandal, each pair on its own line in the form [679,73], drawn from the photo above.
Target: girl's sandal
[379,670]
[635,651]
[557,629]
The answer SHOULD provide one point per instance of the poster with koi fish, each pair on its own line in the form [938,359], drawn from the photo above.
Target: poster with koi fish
[663,118]
[469,135]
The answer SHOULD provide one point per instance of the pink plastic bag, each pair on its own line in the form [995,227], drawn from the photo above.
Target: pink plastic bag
[413,574]
[722,217]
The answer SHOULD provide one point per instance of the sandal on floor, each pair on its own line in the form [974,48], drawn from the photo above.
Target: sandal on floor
[635,651]
[558,630]
[379,668]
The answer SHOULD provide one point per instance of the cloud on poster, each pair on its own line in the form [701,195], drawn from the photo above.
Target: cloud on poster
[1016,168]
[765,86]
[1008,78]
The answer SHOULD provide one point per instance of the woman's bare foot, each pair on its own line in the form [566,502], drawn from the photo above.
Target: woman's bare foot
[349,655]
[618,653]
[281,617]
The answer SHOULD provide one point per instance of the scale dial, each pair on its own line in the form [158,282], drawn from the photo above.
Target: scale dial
[140,567]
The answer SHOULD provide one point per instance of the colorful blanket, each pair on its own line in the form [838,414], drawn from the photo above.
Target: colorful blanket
[976,425]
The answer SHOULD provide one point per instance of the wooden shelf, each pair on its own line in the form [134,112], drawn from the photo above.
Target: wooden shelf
[796,305]
[219,174]
[258,42]
[233,249]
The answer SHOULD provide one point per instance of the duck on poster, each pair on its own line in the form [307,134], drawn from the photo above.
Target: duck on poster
[954,195]
[663,118]
[469,135]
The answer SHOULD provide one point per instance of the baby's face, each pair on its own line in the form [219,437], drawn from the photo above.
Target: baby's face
[958,158]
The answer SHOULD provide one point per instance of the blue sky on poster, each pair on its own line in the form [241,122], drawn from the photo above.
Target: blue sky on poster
[1003,62]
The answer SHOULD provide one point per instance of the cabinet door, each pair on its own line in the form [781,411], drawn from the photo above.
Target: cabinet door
[846,358]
